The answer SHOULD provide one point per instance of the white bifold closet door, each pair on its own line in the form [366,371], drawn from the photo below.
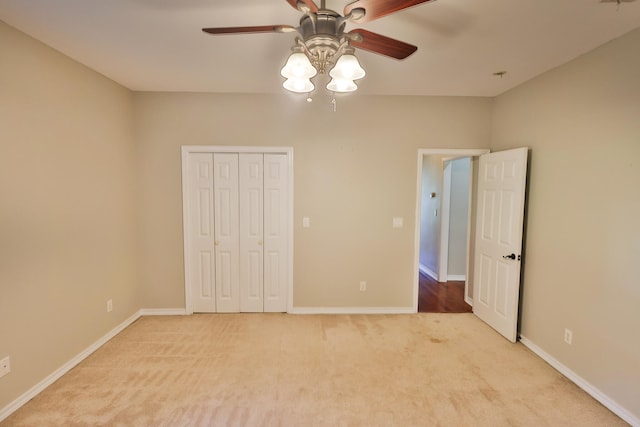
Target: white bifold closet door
[226,232]
[237,247]
[251,233]
[276,226]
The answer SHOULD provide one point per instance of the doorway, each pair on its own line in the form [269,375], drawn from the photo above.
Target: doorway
[442,283]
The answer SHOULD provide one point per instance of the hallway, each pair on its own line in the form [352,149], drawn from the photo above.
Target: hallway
[446,297]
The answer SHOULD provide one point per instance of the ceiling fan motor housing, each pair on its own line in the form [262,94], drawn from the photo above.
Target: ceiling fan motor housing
[322,35]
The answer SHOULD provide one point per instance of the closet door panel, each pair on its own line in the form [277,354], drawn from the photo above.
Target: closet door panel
[251,232]
[275,232]
[200,234]
[226,230]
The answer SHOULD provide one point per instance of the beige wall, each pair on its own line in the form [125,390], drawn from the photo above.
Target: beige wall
[354,171]
[582,267]
[66,209]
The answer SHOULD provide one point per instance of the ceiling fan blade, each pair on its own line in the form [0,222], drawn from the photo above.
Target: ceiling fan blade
[375,9]
[383,45]
[309,3]
[247,30]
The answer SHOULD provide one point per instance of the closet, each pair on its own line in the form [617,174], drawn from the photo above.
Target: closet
[237,231]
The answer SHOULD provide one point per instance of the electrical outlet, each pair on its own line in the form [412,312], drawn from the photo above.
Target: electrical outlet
[109,306]
[363,286]
[568,336]
[5,366]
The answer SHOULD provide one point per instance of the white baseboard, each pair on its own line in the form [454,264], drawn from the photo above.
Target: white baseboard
[352,310]
[612,405]
[163,312]
[426,270]
[54,376]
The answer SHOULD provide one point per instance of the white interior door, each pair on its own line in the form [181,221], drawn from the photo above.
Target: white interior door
[499,226]
[251,232]
[201,262]
[227,233]
[276,223]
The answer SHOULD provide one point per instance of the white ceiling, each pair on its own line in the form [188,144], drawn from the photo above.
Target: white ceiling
[158,45]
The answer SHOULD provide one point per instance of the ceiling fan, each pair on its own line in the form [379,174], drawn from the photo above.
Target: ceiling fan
[324,45]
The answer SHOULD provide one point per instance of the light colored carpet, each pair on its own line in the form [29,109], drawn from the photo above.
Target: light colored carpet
[334,370]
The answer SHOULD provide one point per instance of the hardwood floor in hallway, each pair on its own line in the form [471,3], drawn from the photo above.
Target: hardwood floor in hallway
[446,297]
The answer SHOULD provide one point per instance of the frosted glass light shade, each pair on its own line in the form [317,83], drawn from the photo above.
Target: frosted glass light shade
[298,66]
[341,85]
[299,85]
[347,68]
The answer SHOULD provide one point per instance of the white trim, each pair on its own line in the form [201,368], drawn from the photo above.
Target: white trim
[609,403]
[58,373]
[163,312]
[234,149]
[471,152]
[429,272]
[468,284]
[291,228]
[188,302]
[353,310]
[185,151]
[426,270]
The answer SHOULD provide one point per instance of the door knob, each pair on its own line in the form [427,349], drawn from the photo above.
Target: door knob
[217,243]
[512,256]
[260,242]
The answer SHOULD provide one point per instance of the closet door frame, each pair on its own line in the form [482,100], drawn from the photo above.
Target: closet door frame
[186,151]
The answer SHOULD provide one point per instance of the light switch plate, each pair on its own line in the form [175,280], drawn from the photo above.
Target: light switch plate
[306,222]
[398,222]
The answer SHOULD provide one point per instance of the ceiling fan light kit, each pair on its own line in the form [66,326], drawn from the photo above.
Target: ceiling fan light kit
[324,46]
[299,85]
[299,68]
[298,72]
[347,68]
[342,85]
